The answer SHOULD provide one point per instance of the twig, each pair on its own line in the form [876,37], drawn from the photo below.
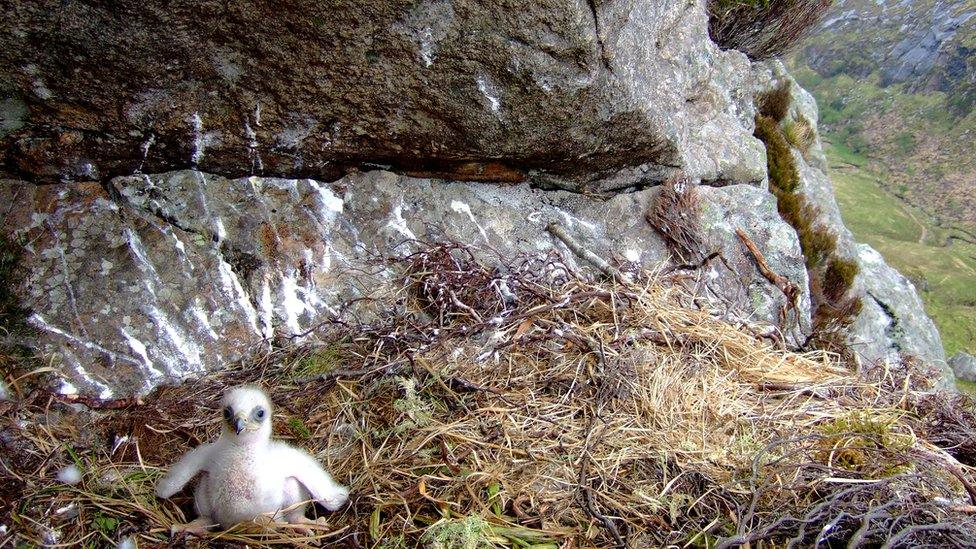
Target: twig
[574,246]
[587,493]
[97,403]
[790,290]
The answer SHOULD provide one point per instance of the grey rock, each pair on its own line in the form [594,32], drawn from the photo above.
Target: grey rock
[892,323]
[964,366]
[463,89]
[924,44]
[186,272]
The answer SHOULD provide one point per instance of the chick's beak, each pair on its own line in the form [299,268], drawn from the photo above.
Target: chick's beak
[239,423]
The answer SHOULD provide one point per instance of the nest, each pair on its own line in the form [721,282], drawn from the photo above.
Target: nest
[525,406]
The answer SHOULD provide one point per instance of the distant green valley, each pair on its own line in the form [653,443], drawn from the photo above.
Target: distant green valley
[924,151]
[895,84]
[943,268]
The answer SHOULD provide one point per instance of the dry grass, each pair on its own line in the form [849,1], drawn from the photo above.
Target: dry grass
[675,214]
[763,29]
[524,407]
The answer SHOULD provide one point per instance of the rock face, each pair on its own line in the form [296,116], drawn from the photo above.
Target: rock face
[964,366]
[563,91]
[892,321]
[136,279]
[926,45]
[186,272]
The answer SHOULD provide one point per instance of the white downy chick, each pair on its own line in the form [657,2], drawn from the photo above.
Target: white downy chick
[246,475]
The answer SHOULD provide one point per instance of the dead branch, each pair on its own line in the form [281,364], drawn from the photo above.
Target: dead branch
[574,246]
[790,290]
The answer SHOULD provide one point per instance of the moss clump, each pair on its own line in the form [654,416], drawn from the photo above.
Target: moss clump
[471,532]
[321,362]
[416,412]
[839,277]
[775,103]
[783,174]
[831,277]
[799,132]
[865,442]
[816,241]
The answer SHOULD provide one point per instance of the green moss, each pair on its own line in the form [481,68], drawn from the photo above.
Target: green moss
[299,429]
[829,284]
[816,241]
[866,442]
[775,103]
[417,411]
[780,164]
[839,277]
[321,362]
[471,532]
[800,133]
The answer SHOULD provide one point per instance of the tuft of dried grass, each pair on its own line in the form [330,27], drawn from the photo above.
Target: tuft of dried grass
[675,215]
[763,29]
[553,411]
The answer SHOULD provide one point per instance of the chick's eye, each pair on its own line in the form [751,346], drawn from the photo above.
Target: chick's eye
[259,413]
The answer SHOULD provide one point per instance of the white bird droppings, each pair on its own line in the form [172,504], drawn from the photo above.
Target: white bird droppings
[488,90]
[463,208]
[399,224]
[199,143]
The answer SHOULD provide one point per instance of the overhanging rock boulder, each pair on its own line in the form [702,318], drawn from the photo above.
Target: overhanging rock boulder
[564,91]
[343,133]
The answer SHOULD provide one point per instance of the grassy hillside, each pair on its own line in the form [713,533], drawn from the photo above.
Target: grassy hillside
[945,275]
[925,152]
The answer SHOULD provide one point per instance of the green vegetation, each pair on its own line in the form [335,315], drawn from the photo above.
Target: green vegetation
[945,276]
[917,141]
[831,277]
[853,442]
[800,133]
[783,175]
[775,103]
[323,361]
[839,277]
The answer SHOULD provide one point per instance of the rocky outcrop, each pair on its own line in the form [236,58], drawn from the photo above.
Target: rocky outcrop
[562,92]
[892,321]
[186,272]
[566,112]
[964,366]
[926,45]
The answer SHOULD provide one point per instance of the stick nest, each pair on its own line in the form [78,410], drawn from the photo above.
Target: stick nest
[526,406]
